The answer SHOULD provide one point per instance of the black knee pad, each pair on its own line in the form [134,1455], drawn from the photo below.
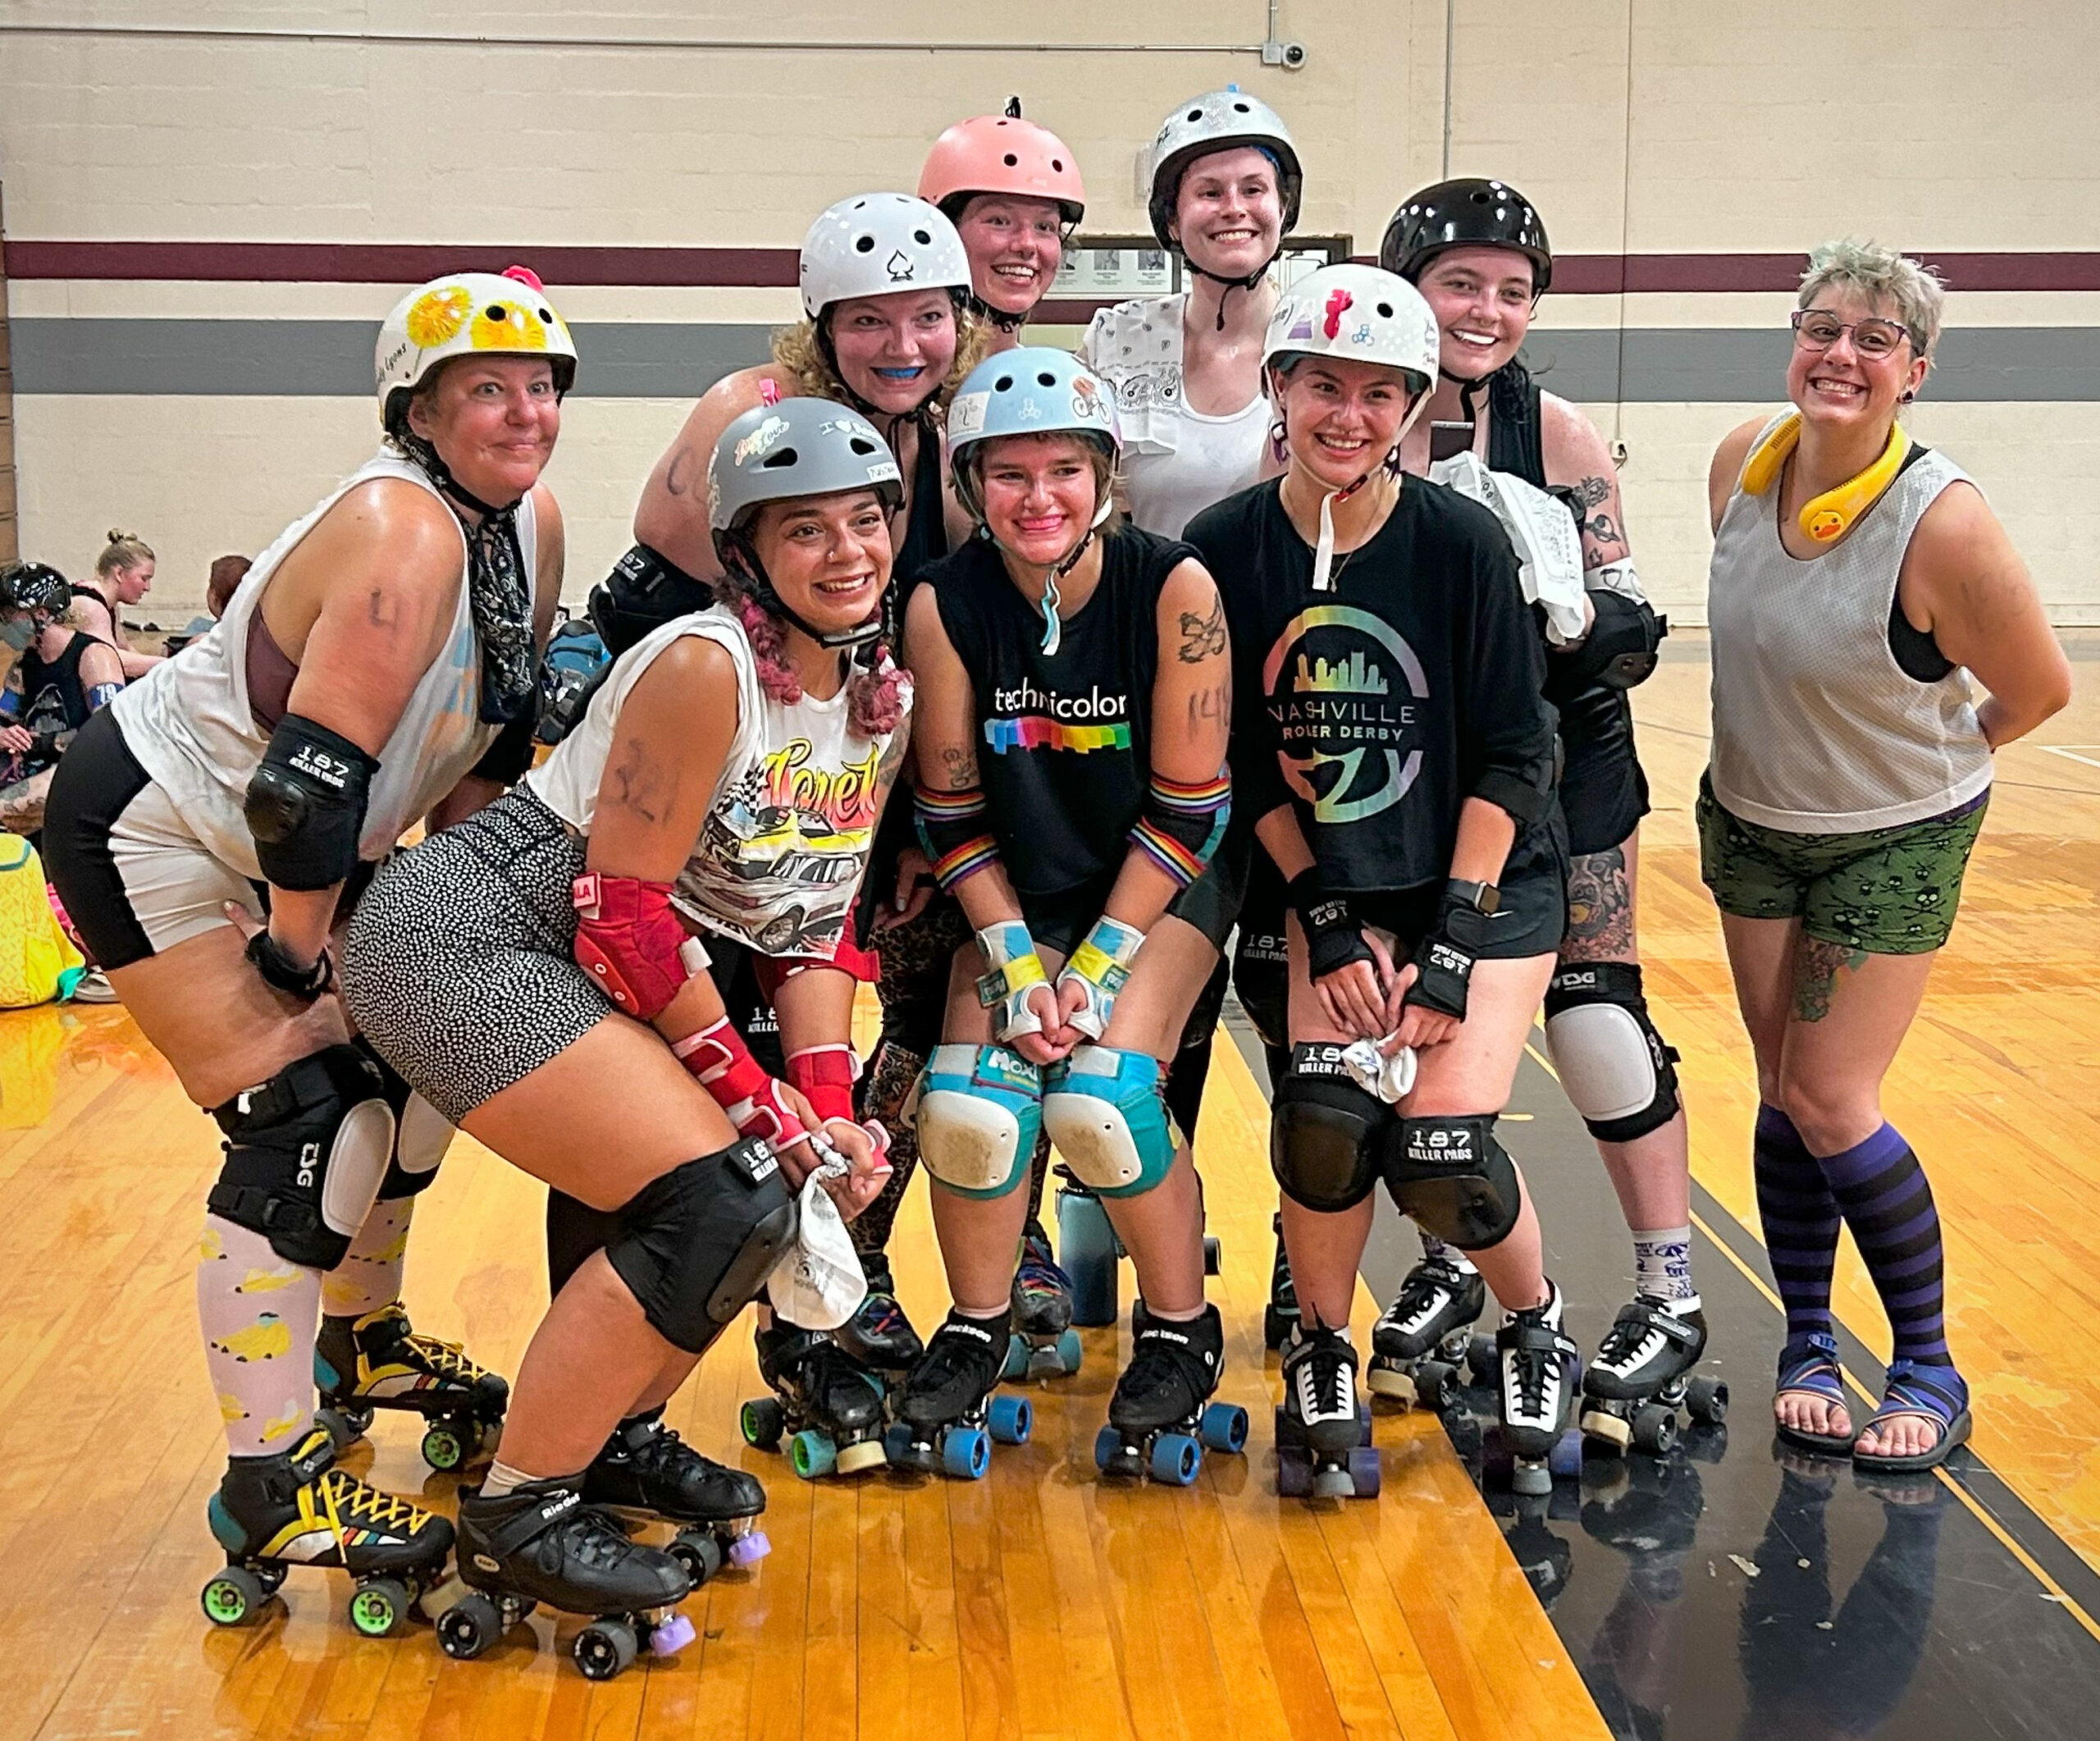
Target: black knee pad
[695,1245]
[1325,1134]
[1453,1178]
[422,1134]
[574,1231]
[1618,1072]
[305,1154]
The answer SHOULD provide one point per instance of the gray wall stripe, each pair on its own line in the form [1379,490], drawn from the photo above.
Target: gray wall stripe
[681,360]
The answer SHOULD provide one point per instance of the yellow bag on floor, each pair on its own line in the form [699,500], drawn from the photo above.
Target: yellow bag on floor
[38,961]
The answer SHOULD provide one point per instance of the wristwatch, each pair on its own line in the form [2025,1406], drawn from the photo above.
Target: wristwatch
[1483,898]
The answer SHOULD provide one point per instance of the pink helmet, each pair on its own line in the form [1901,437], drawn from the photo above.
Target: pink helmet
[1002,155]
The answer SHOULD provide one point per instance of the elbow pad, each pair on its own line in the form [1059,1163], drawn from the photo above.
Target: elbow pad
[1181,826]
[1620,650]
[954,829]
[306,804]
[630,943]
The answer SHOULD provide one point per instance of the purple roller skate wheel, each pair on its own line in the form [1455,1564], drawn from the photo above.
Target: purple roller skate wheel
[671,1637]
[750,1549]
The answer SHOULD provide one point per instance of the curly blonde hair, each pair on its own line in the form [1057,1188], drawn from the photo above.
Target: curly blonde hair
[798,351]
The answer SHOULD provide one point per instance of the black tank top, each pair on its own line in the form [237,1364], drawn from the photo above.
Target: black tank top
[925,525]
[1063,739]
[53,697]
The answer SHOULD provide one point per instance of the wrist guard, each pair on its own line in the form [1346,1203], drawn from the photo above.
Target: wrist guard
[1444,960]
[281,973]
[1334,935]
[1100,965]
[1015,970]
[739,1083]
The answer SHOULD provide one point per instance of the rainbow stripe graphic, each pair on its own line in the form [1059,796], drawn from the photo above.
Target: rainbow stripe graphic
[1033,732]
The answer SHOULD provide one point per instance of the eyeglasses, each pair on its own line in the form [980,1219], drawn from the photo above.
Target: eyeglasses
[1873,338]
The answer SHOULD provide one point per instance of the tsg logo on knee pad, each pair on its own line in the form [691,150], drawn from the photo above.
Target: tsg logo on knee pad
[978,1110]
[1453,1178]
[1103,1111]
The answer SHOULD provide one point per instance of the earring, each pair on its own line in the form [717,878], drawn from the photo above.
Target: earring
[1277,435]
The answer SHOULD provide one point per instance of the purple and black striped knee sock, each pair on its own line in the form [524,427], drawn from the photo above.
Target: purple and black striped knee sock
[1887,1204]
[1800,1217]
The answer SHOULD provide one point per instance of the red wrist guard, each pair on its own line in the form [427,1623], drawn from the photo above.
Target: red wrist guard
[628,941]
[824,1076]
[739,1083]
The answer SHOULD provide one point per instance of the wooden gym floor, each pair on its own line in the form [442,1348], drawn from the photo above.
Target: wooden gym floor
[1039,1603]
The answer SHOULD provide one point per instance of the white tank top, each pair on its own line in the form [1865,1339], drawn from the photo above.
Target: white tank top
[1817,729]
[781,853]
[190,723]
[1177,461]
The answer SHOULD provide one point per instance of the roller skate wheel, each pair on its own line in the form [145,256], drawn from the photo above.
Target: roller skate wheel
[1333,1483]
[671,1637]
[1107,1446]
[698,1553]
[1565,1460]
[1608,1428]
[1020,1356]
[1364,1473]
[866,1454]
[444,1447]
[1482,1361]
[1530,1478]
[897,1443]
[1435,1386]
[763,1421]
[810,1454]
[1706,1400]
[749,1548]
[1069,1353]
[1387,1381]
[231,1597]
[604,1647]
[338,1429]
[1012,1419]
[379,1606]
[1213,1255]
[1655,1429]
[1276,1325]
[1293,1472]
[1176,1459]
[1223,1426]
[966,1453]
[438,1596]
[469,1627]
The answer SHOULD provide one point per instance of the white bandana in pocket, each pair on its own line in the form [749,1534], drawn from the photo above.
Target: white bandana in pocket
[817,1283]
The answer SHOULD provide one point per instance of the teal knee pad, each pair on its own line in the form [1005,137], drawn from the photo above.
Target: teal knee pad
[978,1110]
[1104,1111]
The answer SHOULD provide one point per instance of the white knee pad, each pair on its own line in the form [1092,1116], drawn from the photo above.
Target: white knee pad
[1103,1111]
[978,1109]
[1617,1071]
[424,1136]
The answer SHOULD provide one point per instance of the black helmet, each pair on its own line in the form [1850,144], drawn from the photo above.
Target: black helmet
[1468,212]
[36,586]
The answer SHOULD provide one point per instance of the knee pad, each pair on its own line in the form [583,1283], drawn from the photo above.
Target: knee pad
[1326,1133]
[695,1246]
[422,1134]
[1104,1110]
[1618,1072]
[574,1231]
[305,1154]
[1454,1179]
[978,1112]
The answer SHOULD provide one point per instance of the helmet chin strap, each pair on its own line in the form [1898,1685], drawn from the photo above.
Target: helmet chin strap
[999,317]
[769,601]
[1323,551]
[1246,283]
[1053,627]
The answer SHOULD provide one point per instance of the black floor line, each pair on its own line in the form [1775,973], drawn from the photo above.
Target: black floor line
[1725,1591]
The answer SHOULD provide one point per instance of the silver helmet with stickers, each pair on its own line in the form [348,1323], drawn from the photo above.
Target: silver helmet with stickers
[880,245]
[1359,313]
[1218,120]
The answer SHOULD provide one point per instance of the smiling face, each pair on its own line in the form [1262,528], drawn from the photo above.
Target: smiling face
[1228,214]
[493,420]
[827,557]
[1341,417]
[1040,494]
[1840,389]
[894,350]
[1014,245]
[1482,299]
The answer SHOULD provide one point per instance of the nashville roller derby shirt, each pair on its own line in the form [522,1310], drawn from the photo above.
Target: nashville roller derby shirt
[1063,738]
[1375,709]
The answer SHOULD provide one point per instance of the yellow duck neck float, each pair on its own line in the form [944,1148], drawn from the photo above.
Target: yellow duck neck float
[1826,518]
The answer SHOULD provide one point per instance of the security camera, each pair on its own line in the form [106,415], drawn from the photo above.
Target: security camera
[1293,56]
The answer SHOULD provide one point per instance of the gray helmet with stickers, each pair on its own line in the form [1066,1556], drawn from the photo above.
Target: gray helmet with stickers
[880,245]
[1218,120]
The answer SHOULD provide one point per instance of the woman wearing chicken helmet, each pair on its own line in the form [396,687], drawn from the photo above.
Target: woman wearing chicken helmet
[1013,192]
[1393,748]
[374,665]
[1071,790]
[1478,252]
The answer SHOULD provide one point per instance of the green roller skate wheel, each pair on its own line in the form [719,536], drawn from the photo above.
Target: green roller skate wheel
[444,1448]
[377,1609]
[232,1597]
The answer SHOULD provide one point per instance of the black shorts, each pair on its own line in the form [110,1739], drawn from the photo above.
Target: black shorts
[1604,794]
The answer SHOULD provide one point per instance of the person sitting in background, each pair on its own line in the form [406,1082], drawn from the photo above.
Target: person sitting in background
[62,677]
[124,574]
[226,573]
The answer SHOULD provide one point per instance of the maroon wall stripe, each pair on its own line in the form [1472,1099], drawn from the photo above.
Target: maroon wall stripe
[360,263]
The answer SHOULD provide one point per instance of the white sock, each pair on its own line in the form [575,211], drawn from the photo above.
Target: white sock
[1661,1266]
[502,1478]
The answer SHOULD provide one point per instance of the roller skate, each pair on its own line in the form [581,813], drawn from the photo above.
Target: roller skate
[1540,1374]
[878,1335]
[1044,1344]
[297,1508]
[539,1542]
[647,1470]
[1634,1389]
[1280,1316]
[947,1414]
[1161,1420]
[828,1406]
[380,1361]
[1419,1341]
[1323,1434]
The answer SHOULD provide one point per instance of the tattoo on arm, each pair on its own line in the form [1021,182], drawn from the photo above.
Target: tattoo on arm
[1203,636]
[1604,530]
[1815,975]
[1600,909]
[1590,492]
[638,784]
[959,763]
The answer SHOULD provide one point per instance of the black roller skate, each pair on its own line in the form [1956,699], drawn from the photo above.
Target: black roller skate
[1043,1344]
[1634,1389]
[1540,1374]
[542,1544]
[878,1335]
[647,1470]
[1161,1419]
[1323,1434]
[947,1414]
[380,1361]
[297,1508]
[829,1405]
[1420,1338]
[1280,1316]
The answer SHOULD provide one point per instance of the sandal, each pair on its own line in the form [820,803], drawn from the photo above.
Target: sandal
[1922,1391]
[1808,1364]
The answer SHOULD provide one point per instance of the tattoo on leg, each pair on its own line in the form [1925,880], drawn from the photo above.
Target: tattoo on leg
[1815,975]
[1600,909]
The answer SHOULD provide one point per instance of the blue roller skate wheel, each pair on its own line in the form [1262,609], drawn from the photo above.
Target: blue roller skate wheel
[1363,1470]
[896,1441]
[1012,1420]
[811,1453]
[1019,1354]
[1107,1446]
[1224,1427]
[1070,1354]
[1565,1461]
[966,1453]
[1175,1459]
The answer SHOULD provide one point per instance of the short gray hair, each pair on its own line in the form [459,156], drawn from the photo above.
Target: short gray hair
[1881,274]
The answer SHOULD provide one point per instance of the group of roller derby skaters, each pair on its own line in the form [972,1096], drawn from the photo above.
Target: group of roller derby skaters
[1019,683]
